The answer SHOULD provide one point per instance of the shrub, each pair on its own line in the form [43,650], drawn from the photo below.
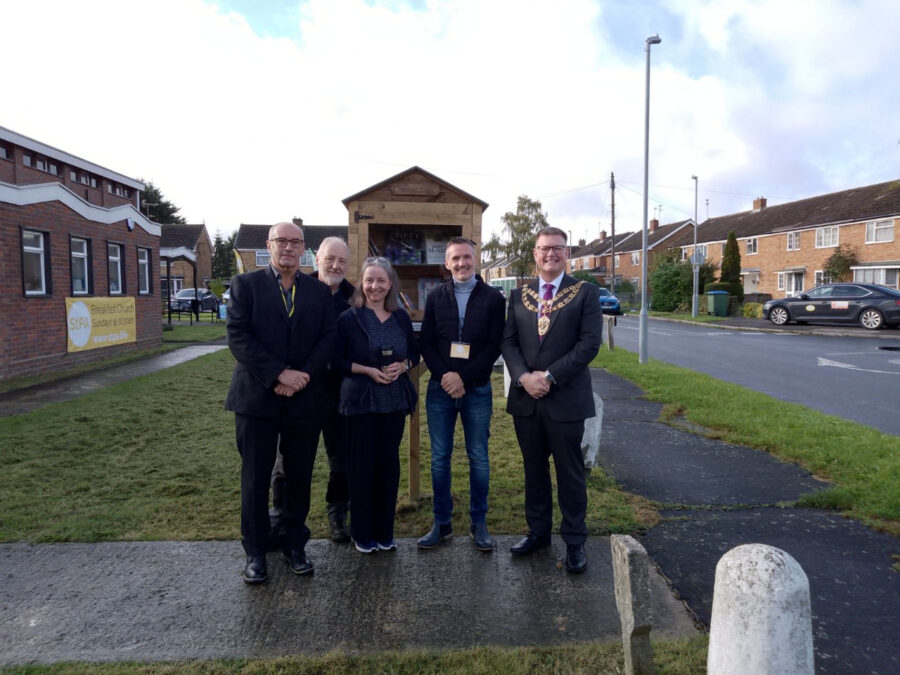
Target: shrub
[751,310]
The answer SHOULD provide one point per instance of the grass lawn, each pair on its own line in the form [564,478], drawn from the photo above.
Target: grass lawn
[863,463]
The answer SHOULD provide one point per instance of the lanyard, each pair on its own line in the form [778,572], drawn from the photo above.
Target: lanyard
[284,298]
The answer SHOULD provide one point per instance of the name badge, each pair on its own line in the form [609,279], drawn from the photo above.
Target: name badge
[459,350]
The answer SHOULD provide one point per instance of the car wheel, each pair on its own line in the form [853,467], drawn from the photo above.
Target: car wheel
[871,319]
[779,316]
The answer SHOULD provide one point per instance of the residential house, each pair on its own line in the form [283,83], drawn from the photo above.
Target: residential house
[250,244]
[630,248]
[784,248]
[76,279]
[185,257]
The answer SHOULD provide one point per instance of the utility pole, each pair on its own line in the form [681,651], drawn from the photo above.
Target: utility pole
[695,258]
[612,257]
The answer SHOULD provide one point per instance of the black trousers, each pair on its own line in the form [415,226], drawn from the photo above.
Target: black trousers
[338,491]
[257,441]
[374,444]
[539,439]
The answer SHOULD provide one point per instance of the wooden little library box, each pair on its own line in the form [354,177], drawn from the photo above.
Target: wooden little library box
[408,219]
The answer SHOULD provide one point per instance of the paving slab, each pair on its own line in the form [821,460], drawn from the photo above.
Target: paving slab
[153,601]
[854,592]
[673,466]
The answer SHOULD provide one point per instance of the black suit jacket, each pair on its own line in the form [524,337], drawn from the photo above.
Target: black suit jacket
[265,341]
[569,346]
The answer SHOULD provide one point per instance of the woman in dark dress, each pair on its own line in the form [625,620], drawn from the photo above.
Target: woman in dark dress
[375,350]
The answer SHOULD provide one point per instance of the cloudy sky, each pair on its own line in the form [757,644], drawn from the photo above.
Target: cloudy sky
[255,111]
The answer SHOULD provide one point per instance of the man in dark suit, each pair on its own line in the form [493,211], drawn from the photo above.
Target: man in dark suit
[280,330]
[553,331]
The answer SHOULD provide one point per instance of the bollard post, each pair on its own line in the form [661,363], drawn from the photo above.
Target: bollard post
[610,321]
[761,619]
[631,577]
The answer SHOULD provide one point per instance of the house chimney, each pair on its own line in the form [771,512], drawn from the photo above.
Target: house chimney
[654,224]
[759,204]
[602,235]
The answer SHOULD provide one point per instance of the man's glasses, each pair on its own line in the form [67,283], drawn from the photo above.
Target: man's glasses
[559,248]
[281,242]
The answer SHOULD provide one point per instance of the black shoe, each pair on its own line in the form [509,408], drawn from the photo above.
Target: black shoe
[530,543]
[340,533]
[297,561]
[482,538]
[576,560]
[436,535]
[255,570]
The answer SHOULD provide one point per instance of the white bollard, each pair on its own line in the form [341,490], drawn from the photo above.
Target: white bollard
[761,619]
[590,440]
[631,579]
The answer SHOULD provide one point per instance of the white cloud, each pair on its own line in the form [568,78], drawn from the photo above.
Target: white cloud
[499,98]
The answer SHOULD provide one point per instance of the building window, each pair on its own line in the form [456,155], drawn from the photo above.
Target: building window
[143,271]
[308,258]
[879,231]
[35,268]
[827,237]
[4,152]
[752,245]
[820,278]
[883,276]
[618,264]
[81,266]
[701,249]
[114,262]
[262,258]
[26,159]
[635,257]
[793,241]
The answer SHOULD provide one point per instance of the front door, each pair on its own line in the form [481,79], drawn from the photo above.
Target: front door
[793,284]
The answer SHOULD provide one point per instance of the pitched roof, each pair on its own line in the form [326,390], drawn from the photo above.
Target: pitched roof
[662,237]
[847,206]
[404,174]
[180,236]
[253,237]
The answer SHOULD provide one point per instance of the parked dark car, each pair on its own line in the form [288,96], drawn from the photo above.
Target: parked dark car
[609,303]
[869,305]
[182,300]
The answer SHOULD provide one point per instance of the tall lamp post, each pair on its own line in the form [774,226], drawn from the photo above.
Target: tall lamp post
[695,259]
[642,335]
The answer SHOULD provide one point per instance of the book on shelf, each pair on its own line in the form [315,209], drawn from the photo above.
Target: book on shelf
[427,285]
[404,247]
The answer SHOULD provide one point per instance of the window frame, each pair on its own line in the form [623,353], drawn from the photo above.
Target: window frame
[751,243]
[635,257]
[119,267]
[886,225]
[145,275]
[44,261]
[793,241]
[86,257]
[821,233]
[264,256]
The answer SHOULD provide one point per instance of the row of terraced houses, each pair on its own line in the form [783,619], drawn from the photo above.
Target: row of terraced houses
[783,247]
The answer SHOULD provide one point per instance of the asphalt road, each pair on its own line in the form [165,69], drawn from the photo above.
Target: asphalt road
[857,378]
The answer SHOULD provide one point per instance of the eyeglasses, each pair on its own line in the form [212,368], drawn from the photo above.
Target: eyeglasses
[281,242]
[559,248]
[377,259]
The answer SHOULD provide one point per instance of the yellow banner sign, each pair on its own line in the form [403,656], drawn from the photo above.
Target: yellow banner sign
[92,323]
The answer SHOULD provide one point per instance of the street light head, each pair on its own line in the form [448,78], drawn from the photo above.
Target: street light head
[654,39]
[693,177]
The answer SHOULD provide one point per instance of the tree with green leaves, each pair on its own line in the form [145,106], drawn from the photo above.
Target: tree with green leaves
[837,267]
[731,261]
[584,275]
[671,281]
[157,208]
[520,231]
[223,261]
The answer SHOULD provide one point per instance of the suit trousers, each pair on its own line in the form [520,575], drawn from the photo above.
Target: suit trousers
[373,440]
[540,438]
[257,441]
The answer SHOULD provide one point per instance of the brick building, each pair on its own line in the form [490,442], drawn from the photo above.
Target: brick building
[784,248]
[78,260]
[185,253]
[250,244]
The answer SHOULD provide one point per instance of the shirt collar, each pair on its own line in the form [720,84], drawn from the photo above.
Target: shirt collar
[555,283]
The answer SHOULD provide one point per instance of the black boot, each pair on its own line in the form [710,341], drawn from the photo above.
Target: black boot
[337,521]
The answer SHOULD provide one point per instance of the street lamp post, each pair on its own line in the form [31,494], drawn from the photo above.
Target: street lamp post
[642,335]
[695,259]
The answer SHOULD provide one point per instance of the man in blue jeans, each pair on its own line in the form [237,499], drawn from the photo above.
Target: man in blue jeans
[460,342]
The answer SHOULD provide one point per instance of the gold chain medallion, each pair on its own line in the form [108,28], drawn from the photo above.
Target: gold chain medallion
[545,307]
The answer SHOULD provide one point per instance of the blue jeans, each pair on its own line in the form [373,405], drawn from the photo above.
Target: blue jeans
[475,409]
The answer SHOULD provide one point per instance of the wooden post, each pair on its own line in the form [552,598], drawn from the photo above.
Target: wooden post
[415,472]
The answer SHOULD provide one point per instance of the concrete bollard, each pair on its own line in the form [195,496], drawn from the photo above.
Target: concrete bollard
[631,575]
[610,321]
[590,441]
[761,619]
